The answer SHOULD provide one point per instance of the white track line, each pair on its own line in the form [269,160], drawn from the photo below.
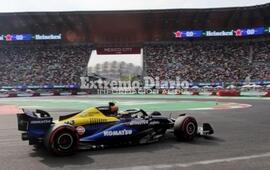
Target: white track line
[185,165]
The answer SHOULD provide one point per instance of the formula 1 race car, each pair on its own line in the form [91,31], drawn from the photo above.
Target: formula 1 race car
[100,126]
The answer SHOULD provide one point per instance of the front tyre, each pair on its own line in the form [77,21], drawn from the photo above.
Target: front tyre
[63,140]
[185,128]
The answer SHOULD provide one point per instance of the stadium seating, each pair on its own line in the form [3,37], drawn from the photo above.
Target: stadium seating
[194,62]
[40,65]
[209,61]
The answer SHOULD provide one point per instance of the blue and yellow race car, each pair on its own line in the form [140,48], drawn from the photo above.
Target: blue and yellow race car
[101,126]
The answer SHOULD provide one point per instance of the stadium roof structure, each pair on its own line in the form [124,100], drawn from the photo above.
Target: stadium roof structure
[103,27]
[117,5]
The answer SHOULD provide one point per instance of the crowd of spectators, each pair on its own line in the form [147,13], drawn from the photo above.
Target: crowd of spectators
[41,65]
[209,61]
[193,62]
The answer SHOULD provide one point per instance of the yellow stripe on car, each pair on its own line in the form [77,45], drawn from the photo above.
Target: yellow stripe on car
[89,116]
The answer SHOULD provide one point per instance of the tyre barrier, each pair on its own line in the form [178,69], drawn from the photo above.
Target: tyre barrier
[88,91]
[35,94]
[195,93]
[12,95]
[228,93]
[56,93]
[178,92]
[38,94]
[223,92]
[267,94]
[213,93]
[164,92]
[74,93]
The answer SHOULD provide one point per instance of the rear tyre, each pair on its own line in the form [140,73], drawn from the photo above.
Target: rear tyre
[63,141]
[185,128]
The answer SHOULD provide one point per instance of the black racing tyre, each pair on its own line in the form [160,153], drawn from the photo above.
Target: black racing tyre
[185,128]
[62,140]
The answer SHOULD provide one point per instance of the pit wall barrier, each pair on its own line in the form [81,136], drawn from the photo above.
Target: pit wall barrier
[221,92]
[36,94]
[228,93]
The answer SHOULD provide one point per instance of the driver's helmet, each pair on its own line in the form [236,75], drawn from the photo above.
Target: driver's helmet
[113,108]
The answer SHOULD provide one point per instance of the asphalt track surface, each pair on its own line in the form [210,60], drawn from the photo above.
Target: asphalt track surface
[241,141]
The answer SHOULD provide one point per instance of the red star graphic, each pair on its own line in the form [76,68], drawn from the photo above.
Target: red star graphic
[8,37]
[178,34]
[238,32]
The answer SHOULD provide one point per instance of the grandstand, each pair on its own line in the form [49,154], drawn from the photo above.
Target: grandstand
[209,61]
[43,65]
[41,48]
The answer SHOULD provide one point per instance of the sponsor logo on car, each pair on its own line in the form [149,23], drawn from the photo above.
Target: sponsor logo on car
[40,121]
[80,130]
[154,123]
[124,132]
[138,122]
[70,122]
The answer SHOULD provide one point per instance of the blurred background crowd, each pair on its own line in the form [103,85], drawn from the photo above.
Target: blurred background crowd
[209,61]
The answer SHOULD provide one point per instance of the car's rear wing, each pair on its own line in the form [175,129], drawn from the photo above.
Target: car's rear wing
[31,119]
